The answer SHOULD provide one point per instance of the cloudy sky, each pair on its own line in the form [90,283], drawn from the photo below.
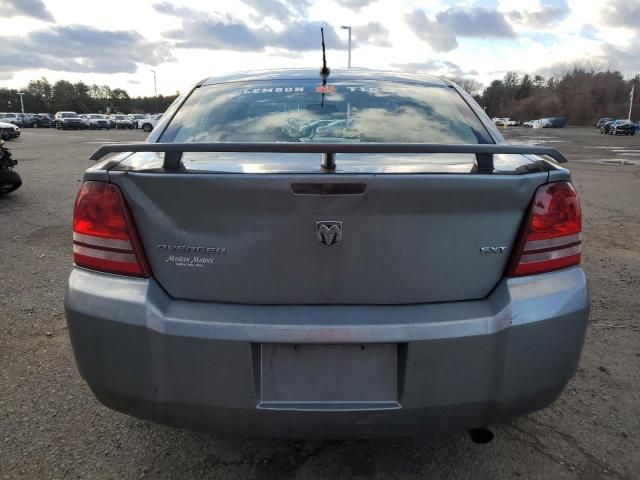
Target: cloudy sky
[117,42]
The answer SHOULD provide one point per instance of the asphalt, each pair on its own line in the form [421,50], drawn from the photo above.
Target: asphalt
[52,427]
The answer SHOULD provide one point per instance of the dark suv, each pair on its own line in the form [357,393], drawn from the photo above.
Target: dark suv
[66,120]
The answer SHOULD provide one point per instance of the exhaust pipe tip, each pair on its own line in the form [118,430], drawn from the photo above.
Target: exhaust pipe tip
[481,435]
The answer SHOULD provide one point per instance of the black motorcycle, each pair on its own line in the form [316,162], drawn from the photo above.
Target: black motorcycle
[9,180]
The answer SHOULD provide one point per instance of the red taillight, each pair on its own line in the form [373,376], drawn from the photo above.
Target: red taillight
[104,236]
[551,236]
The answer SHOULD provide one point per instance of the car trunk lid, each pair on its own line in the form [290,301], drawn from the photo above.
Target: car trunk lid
[325,238]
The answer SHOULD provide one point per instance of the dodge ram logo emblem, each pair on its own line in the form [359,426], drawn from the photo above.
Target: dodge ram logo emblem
[329,233]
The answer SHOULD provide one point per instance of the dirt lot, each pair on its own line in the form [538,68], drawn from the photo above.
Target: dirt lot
[52,427]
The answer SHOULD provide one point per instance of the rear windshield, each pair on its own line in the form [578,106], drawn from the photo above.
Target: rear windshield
[299,111]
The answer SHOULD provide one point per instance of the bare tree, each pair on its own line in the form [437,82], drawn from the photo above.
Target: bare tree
[469,85]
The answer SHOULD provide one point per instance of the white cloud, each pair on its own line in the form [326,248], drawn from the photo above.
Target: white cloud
[442,32]
[283,33]
[25,8]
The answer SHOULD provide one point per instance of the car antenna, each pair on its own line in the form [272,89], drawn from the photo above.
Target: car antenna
[324,71]
[328,162]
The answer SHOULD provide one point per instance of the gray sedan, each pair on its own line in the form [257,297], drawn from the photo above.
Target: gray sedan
[416,274]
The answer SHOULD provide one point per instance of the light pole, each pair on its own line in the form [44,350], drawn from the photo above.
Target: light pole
[633,89]
[348,27]
[21,102]
[155,88]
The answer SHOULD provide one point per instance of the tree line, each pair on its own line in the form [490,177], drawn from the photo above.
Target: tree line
[40,96]
[582,94]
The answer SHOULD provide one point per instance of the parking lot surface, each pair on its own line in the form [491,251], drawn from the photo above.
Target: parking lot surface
[52,427]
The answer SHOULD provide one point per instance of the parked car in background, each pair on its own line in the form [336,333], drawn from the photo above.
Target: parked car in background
[507,122]
[42,120]
[27,120]
[602,121]
[9,131]
[150,123]
[121,121]
[36,120]
[328,290]
[68,120]
[553,122]
[96,121]
[137,118]
[618,127]
[14,118]
[556,122]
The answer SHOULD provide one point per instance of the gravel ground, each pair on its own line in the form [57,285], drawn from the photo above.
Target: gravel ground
[52,427]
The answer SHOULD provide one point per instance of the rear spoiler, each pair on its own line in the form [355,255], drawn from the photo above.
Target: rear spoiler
[173,151]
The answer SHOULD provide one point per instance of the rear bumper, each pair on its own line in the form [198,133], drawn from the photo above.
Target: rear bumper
[198,365]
